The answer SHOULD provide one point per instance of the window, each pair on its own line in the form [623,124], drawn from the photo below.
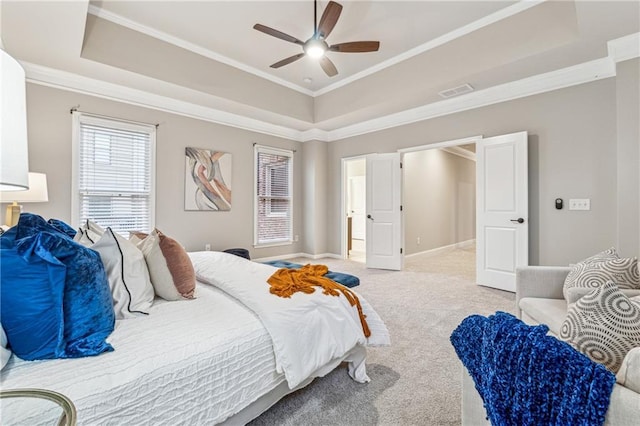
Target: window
[273,223]
[113,179]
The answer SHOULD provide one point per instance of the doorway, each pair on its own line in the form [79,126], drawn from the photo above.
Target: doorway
[501,213]
[439,199]
[355,170]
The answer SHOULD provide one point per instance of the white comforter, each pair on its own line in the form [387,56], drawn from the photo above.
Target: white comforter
[308,330]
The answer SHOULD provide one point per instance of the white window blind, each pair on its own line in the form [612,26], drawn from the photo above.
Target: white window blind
[273,222]
[113,178]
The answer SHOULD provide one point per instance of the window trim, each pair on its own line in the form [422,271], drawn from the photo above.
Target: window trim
[274,151]
[77,118]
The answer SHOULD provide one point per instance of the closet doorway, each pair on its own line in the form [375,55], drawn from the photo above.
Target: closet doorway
[439,199]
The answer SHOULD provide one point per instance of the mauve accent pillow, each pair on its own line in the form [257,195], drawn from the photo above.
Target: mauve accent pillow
[178,263]
[161,277]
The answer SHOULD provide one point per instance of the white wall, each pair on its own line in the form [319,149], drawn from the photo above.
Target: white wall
[438,199]
[628,174]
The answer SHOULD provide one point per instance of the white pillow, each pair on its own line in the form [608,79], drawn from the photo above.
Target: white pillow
[161,277]
[92,231]
[83,238]
[128,275]
[5,353]
[629,373]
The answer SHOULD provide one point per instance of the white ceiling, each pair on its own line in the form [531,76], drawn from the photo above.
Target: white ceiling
[206,53]
[226,28]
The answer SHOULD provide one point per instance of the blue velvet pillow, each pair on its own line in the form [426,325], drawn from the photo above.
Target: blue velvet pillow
[31,303]
[87,305]
[8,238]
[30,224]
[62,227]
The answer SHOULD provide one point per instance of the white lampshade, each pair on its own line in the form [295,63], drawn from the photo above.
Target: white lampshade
[37,192]
[14,158]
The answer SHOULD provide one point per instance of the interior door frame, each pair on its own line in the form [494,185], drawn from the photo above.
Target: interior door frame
[344,183]
[343,202]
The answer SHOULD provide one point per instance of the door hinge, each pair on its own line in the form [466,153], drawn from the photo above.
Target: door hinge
[400,208]
[400,165]
[400,251]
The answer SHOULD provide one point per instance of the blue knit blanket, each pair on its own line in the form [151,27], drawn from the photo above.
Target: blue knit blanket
[526,377]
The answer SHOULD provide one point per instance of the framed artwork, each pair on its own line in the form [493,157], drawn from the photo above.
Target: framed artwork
[207,180]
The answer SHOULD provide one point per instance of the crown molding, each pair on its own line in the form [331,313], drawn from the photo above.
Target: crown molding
[497,16]
[620,49]
[460,152]
[176,41]
[546,82]
[58,79]
[501,14]
[624,48]
[314,135]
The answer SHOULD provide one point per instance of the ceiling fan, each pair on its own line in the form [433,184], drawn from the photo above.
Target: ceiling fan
[316,46]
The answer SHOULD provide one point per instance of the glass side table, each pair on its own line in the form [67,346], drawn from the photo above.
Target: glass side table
[68,417]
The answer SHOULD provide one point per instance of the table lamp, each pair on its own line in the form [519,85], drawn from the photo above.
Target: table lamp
[36,193]
[14,159]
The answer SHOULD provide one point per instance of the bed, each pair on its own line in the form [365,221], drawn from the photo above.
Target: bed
[207,360]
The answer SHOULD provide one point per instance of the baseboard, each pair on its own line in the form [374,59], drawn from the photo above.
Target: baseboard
[294,255]
[444,249]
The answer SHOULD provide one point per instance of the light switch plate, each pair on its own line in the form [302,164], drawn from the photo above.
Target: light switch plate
[580,204]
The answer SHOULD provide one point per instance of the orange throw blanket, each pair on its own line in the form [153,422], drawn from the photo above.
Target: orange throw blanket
[284,282]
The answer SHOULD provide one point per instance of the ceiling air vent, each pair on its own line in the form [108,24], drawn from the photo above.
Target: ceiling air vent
[455,91]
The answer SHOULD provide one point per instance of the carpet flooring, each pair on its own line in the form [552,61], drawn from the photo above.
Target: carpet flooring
[416,380]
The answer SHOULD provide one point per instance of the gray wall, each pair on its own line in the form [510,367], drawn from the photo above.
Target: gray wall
[572,154]
[628,125]
[314,197]
[49,127]
[438,199]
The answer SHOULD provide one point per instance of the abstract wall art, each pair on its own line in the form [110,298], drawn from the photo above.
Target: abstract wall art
[207,180]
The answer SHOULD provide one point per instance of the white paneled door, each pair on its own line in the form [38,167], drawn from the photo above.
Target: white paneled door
[502,231]
[384,216]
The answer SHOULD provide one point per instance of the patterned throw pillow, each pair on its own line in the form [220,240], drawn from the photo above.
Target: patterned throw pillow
[604,325]
[623,272]
[608,254]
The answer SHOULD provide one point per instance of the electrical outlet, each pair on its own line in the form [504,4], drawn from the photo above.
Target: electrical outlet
[418,241]
[207,247]
[580,204]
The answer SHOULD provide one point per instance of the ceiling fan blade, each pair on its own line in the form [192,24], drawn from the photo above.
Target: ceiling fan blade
[356,47]
[329,18]
[287,60]
[328,67]
[277,34]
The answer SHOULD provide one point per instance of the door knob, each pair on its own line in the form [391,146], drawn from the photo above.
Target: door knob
[369,217]
[518,220]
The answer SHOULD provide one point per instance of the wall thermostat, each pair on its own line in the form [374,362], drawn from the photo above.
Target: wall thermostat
[559,203]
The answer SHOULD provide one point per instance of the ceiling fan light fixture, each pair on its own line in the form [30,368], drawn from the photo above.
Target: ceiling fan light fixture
[315,48]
